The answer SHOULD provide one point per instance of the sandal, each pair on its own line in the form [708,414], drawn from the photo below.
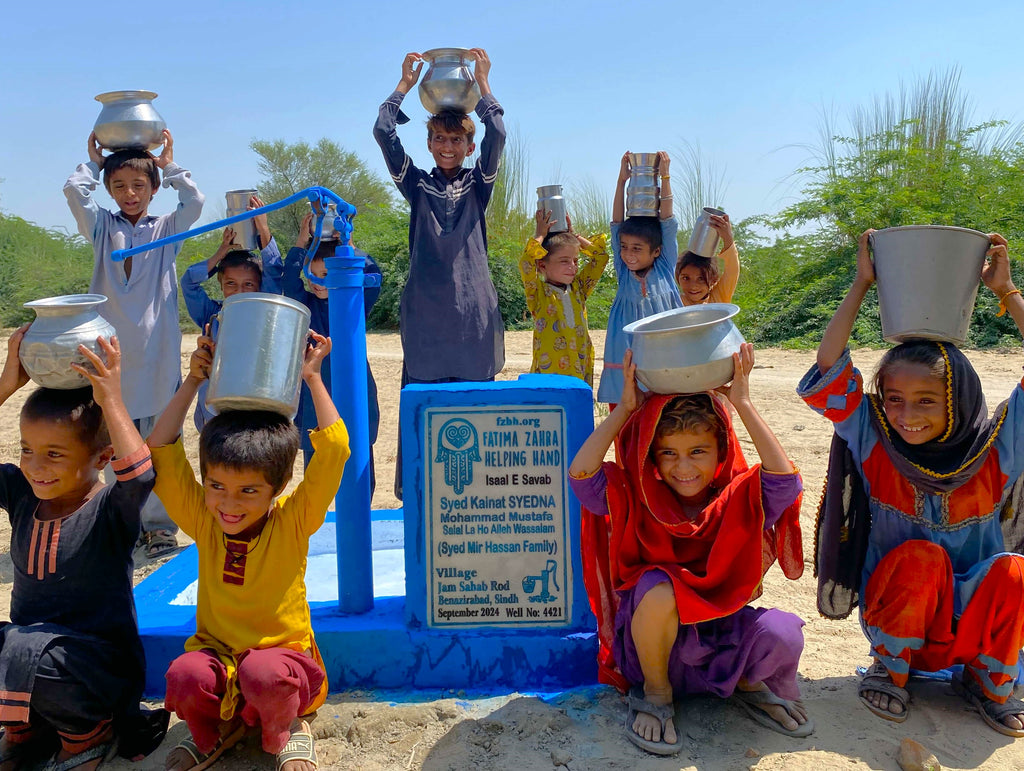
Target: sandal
[300,746]
[991,711]
[877,679]
[749,701]
[104,751]
[663,712]
[207,759]
[159,543]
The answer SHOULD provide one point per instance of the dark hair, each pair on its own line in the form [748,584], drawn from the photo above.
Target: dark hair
[136,160]
[647,228]
[241,258]
[923,352]
[686,414]
[554,241]
[326,249]
[250,439]
[451,122]
[708,267]
[75,408]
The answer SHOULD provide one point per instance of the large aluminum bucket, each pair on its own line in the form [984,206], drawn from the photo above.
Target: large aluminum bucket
[257,364]
[685,350]
[549,198]
[928,279]
[245,231]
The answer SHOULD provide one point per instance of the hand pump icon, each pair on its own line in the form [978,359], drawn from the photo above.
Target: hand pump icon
[530,583]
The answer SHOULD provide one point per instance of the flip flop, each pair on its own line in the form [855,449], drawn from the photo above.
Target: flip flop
[300,746]
[104,752]
[749,701]
[663,712]
[877,679]
[992,712]
[206,759]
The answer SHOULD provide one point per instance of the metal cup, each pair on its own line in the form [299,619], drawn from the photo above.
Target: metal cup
[245,231]
[642,199]
[549,198]
[704,238]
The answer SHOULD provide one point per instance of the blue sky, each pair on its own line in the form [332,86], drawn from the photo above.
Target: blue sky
[580,82]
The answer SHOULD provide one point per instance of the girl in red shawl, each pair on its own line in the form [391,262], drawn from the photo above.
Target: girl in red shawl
[675,544]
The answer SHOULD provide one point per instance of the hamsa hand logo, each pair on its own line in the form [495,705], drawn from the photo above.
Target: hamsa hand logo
[458,447]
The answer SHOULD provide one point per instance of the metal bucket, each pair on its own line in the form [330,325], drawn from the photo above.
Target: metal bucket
[685,350]
[704,238]
[257,364]
[927,279]
[642,198]
[549,197]
[245,231]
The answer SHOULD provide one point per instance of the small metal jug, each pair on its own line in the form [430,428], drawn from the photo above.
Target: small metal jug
[257,364]
[704,238]
[245,231]
[642,198]
[549,198]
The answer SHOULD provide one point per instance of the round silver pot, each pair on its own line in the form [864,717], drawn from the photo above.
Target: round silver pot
[449,83]
[50,345]
[685,350]
[927,277]
[257,364]
[549,198]
[129,120]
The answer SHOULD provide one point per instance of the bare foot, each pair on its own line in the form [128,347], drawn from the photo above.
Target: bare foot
[790,714]
[181,759]
[300,739]
[648,726]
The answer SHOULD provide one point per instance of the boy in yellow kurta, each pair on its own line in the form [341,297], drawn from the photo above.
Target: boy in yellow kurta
[556,294]
[253,660]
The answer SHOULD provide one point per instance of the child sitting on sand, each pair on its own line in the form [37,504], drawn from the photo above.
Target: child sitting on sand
[253,660]
[692,531]
[698,277]
[645,251]
[910,530]
[71,660]
[556,294]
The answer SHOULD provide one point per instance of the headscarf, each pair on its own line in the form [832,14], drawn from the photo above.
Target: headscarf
[715,562]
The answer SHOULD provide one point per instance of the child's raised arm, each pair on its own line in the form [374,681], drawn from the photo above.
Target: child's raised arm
[665,204]
[105,377]
[14,375]
[326,412]
[996,275]
[837,333]
[168,425]
[619,202]
[773,457]
[591,454]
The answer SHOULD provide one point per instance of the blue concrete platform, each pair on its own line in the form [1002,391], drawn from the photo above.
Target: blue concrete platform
[375,649]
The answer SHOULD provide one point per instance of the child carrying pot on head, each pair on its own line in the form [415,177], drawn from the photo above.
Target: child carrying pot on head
[238,270]
[315,298]
[670,576]
[556,294]
[699,278]
[253,660]
[72,667]
[910,531]
[644,251]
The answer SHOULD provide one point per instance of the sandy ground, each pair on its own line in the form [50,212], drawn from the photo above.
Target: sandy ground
[582,728]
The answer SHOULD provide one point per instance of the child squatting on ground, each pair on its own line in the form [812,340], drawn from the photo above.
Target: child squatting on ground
[910,531]
[238,271]
[675,542]
[556,294]
[644,251]
[698,277]
[72,667]
[253,660]
[142,290]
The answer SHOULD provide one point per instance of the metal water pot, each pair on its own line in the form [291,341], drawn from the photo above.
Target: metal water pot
[927,278]
[129,120]
[327,229]
[704,238]
[257,364]
[642,189]
[245,231]
[549,197]
[685,350]
[50,345]
[449,83]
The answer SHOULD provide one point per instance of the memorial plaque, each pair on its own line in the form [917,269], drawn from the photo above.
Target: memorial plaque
[497,516]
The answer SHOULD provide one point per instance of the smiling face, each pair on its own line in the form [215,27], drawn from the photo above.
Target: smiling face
[237,498]
[687,461]
[132,191]
[319,269]
[58,465]
[238,279]
[449,149]
[693,285]
[561,265]
[636,252]
[914,401]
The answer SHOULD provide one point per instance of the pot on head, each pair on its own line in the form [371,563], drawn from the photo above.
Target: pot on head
[50,345]
[245,231]
[704,238]
[642,195]
[128,121]
[449,83]
[549,198]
